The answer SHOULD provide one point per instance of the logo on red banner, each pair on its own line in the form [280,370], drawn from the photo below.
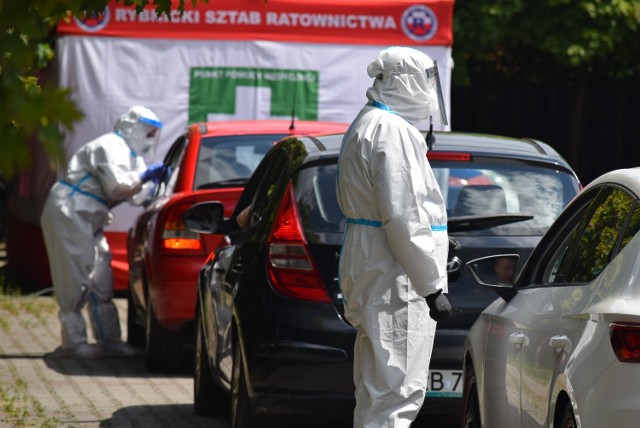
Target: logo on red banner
[419,23]
[95,22]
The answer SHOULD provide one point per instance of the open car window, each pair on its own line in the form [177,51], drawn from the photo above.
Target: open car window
[171,168]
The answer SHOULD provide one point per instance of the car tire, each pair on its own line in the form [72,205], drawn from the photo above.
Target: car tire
[135,332]
[471,406]
[242,414]
[163,347]
[209,399]
[568,419]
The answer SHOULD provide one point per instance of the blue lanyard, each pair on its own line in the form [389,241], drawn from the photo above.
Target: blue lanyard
[382,106]
[364,222]
[76,188]
[376,223]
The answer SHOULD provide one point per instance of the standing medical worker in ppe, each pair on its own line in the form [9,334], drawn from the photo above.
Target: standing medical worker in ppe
[395,246]
[101,174]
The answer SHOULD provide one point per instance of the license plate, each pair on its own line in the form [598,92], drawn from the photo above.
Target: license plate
[444,383]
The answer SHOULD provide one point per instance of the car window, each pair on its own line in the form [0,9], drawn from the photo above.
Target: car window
[171,162]
[271,180]
[493,186]
[544,262]
[223,161]
[561,251]
[315,190]
[632,228]
[593,243]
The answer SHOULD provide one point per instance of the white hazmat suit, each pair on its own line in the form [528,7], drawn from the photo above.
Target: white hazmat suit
[101,174]
[395,247]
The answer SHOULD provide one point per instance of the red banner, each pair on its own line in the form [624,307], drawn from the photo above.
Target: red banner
[371,22]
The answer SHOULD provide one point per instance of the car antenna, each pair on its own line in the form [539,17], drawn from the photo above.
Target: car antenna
[430,138]
[293,108]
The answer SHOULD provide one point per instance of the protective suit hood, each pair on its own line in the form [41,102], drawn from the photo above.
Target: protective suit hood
[401,83]
[140,128]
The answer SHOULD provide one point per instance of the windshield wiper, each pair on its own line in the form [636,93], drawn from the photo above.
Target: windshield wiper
[470,222]
[224,183]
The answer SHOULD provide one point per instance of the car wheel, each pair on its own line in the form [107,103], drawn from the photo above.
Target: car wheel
[209,398]
[135,332]
[471,412]
[568,419]
[242,414]
[163,347]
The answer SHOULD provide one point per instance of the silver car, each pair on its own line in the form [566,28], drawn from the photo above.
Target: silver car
[557,348]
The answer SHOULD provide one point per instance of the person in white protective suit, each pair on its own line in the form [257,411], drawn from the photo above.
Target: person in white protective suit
[394,253]
[101,174]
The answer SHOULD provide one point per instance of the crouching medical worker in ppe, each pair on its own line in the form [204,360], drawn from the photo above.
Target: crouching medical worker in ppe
[101,174]
[394,254]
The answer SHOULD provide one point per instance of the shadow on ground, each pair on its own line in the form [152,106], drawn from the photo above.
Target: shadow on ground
[184,416]
[180,415]
[115,367]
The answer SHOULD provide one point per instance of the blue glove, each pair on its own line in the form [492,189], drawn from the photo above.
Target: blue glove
[152,173]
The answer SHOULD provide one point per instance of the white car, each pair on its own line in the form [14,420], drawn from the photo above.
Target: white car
[557,348]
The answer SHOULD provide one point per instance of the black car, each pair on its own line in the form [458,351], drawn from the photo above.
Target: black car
[269,317]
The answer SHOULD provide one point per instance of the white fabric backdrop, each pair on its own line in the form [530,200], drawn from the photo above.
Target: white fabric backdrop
[109,74]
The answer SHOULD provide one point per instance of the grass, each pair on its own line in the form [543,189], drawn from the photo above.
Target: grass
[14,302]
[20,409]
[7,287]
[12,305]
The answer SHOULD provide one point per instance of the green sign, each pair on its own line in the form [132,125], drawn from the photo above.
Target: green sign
[229,90]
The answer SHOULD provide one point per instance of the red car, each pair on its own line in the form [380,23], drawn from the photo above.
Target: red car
[211,162]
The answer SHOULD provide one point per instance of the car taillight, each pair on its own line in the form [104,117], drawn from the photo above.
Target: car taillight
[176,236]
[291,269]
[449,156]
[625,340]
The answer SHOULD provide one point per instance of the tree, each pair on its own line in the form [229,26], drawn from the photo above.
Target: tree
[519,39]
[578,48]
[33,106]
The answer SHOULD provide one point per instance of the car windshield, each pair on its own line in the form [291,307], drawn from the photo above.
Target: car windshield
[483,198]
[230,160]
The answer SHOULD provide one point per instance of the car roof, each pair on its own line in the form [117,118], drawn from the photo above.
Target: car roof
[476,144]
[244,127]
[629,178]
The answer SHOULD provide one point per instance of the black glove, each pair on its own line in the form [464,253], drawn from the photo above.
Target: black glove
[439,306]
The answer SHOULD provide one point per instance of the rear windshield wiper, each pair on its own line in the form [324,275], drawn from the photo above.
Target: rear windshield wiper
[470,222]
[224,183]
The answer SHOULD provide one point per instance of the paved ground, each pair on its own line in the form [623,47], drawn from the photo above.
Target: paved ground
[43,392]
[36,391]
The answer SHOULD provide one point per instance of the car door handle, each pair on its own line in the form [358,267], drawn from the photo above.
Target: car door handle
[517,338]
[237,268]
[560,343]
[220,270]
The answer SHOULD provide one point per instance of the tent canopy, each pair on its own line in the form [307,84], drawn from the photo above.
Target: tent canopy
[372,22]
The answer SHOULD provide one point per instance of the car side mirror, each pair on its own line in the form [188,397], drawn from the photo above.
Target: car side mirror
[497,273]
[205,217]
